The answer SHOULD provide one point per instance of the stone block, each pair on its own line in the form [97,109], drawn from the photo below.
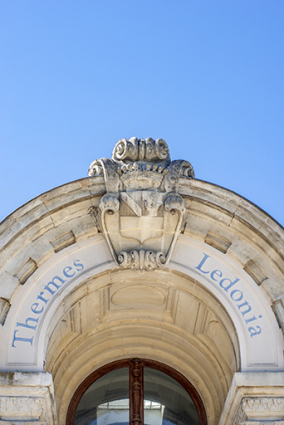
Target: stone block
[8,284]
[27,398]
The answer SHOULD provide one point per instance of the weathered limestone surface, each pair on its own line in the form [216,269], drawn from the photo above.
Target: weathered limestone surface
[141,203]
[20,242]
[27,398]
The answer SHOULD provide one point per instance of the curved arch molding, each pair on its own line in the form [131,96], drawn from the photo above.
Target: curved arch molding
[35,304]
[145,262]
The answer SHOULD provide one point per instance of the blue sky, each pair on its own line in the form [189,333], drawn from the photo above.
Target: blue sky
[205,75]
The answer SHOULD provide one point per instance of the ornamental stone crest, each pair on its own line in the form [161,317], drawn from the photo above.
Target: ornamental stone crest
[141,214]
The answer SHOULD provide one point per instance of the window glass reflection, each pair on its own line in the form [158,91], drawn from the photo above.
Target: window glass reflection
[106,401]
[166,402]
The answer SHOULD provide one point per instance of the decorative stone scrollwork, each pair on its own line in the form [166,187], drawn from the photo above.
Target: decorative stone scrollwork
[96,168]
[109,203]
[174,202]
[136,260]
[147,150]
[142,213]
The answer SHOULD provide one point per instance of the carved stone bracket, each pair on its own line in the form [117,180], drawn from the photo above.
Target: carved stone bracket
[175,204]
[141,214]
[109,204]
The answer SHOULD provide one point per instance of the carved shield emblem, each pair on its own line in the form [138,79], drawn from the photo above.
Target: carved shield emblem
[141,215]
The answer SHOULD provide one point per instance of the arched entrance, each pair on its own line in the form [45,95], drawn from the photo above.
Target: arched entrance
[161,316]
[136,392]
[140,260]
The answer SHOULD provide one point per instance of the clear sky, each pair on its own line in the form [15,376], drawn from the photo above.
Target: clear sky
[205,75]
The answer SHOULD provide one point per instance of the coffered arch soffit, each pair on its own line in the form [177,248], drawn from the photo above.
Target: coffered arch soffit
[156,315]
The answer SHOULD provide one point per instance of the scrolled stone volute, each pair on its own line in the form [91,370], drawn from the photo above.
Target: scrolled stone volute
[174,202]
[110,203]
[95,169]
[136,260]
[140,150]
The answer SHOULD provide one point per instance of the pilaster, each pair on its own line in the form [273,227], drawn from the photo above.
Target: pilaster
[27,398]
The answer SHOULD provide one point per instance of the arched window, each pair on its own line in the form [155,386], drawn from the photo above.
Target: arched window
[136,392]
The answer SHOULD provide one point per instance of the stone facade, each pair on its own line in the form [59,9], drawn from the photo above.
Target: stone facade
[140,259]
[26,398]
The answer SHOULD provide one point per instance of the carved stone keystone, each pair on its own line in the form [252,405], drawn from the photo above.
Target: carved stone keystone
[141,214]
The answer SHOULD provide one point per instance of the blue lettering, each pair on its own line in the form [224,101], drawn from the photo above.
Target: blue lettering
[30,340]
[79,266]
[236,294]
[54,284]
[202,262]
[38,308]
[34,308]
[253,331]
[217,273]
[66,270]
[26,325]
[251,319]
[239,297]
[221,283]
[40,297]
[243,305]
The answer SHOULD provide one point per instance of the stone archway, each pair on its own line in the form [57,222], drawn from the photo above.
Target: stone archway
[156,315]
[138,391]
[202,293]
